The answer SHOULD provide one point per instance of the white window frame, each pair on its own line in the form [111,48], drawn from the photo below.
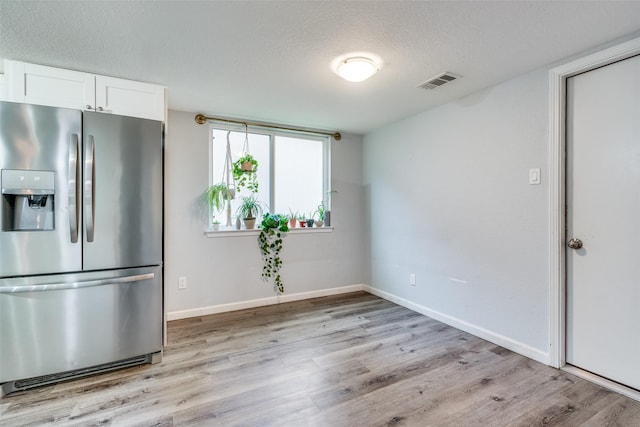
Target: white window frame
[273,133]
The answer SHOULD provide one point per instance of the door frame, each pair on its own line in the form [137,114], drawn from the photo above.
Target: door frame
[557,198]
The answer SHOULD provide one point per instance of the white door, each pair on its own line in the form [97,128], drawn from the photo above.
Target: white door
[603,213]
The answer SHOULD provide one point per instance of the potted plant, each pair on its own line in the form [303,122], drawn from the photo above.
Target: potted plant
[217,196]
[310,220]
[292,219]
[245,172]
[302,221]
[270,241]
[249,209]
[322,211]
[216,225]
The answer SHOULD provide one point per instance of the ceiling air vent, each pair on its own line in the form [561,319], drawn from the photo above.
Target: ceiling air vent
[439,80]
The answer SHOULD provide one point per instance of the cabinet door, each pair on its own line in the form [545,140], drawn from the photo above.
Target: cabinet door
[129,98]
[41,85]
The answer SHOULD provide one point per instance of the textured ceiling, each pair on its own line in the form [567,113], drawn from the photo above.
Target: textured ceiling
[270,60]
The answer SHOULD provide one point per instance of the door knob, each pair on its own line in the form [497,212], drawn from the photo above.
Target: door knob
[575,243]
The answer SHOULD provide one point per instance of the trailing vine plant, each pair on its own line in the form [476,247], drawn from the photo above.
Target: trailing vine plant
[270,241]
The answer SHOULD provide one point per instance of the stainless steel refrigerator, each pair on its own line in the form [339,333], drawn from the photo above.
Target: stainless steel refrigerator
[80,243]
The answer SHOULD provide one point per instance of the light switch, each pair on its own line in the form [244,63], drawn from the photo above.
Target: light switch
[534,176]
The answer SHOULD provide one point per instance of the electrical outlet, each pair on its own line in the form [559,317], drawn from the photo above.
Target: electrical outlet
[412,279]
[182,283]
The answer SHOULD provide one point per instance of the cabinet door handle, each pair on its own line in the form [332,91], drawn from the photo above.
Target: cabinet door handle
[88,107]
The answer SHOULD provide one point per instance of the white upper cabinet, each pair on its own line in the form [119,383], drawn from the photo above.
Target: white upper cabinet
[42,85]
[37,84]
[129,98]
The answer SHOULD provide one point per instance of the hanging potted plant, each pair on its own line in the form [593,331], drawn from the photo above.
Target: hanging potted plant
[246,167]
[248,210]
[270,241]
[218,195]
[245,172]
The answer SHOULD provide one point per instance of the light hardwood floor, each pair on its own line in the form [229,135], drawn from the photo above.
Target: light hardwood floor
[347,360]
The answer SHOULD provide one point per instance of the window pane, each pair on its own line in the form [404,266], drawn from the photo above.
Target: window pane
[259,149]
[298,175]
[292,175]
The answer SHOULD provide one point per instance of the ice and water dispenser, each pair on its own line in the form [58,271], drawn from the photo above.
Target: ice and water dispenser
[27,200]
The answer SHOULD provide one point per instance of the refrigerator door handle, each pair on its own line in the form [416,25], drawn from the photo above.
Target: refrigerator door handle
[89,187]
[74,188]
[75,285]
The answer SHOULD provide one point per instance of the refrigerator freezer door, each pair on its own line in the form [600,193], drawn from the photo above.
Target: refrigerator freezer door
[39,141]
[122,184]
[59,323]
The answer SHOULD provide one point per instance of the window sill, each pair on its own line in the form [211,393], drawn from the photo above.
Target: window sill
[255,232]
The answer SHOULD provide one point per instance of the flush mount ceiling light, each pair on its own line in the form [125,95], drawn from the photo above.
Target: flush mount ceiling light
[356,68]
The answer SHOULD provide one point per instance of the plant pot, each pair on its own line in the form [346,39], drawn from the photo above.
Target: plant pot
[216,227]
[247,167]
[319,223]
[302,223]
[310,222]
[292,223]
[249,223]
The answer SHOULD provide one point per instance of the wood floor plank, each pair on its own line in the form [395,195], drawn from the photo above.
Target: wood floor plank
[504,397]
[344,360]
[621,412]
[419,399]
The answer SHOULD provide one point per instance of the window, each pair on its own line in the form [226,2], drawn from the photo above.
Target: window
[293,168]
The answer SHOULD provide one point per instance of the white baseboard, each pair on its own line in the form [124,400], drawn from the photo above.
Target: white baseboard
[241,305]
[490,336]
[508,343]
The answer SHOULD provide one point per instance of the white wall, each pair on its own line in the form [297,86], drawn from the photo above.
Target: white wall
[227,270]
[449,200]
